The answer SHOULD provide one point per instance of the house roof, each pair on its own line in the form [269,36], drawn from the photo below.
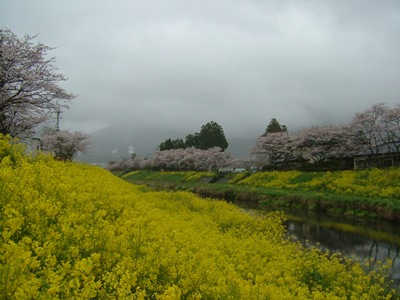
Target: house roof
[382,149]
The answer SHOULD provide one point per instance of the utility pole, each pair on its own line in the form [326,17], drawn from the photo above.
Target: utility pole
[58,119]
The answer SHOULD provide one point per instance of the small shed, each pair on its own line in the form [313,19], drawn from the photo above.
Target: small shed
[384,156]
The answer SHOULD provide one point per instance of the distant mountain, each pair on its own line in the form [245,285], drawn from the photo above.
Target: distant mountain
[240,146]
[116,142]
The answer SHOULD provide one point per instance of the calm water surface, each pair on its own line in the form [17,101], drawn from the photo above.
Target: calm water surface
[373,241]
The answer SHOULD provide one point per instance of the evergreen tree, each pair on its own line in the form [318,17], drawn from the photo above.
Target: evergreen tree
[178,144]
[212,135]
[169,144]
[192,140]
[275,127]
[166,145]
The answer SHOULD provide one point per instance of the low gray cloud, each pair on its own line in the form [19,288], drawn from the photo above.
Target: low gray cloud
[179,64]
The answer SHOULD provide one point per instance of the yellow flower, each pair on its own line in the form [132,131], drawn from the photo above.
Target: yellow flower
[75,231]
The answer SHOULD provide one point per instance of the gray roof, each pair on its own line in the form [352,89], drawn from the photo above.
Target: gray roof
[392,147]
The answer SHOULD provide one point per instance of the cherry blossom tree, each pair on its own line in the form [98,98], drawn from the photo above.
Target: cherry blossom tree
[246,163]
[392,129]
[216,158]
[29,84]
[129,164]
[377,130]
[369,128]
[271,148]
[63,145]
[321,143]
[167,159]
[316,145]
[121,165]
[191,159]
[374,130]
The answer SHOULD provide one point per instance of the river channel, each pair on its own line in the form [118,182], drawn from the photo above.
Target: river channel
[367,241]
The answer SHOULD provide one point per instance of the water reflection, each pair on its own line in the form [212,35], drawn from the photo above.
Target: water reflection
[353,245]
[367,241]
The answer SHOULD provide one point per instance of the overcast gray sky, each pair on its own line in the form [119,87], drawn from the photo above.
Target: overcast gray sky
[179,64]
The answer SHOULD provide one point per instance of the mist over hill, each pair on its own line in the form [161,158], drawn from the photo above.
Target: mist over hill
[119,141]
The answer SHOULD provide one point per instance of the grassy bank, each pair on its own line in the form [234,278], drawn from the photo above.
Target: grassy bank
[72,231]
[368,193]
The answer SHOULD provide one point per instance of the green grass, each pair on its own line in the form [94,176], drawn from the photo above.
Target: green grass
[169,177]
[303,177]
[233,191]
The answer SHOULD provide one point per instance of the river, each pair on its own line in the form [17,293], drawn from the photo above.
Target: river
[373,241]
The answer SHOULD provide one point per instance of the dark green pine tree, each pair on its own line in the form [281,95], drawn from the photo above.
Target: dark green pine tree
[169,144]
[192,140]
[274,127]
[166,145]
[212,135]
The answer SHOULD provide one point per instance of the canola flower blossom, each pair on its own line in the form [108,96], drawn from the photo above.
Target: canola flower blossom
[365,183]
[74,231]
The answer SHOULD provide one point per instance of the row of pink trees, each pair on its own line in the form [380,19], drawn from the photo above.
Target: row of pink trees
[178,159]
[372,131]
[375,130]
[315,144]
[191,159]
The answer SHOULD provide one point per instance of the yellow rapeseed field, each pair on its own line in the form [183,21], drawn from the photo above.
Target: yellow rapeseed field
[381,183]
[73,231]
